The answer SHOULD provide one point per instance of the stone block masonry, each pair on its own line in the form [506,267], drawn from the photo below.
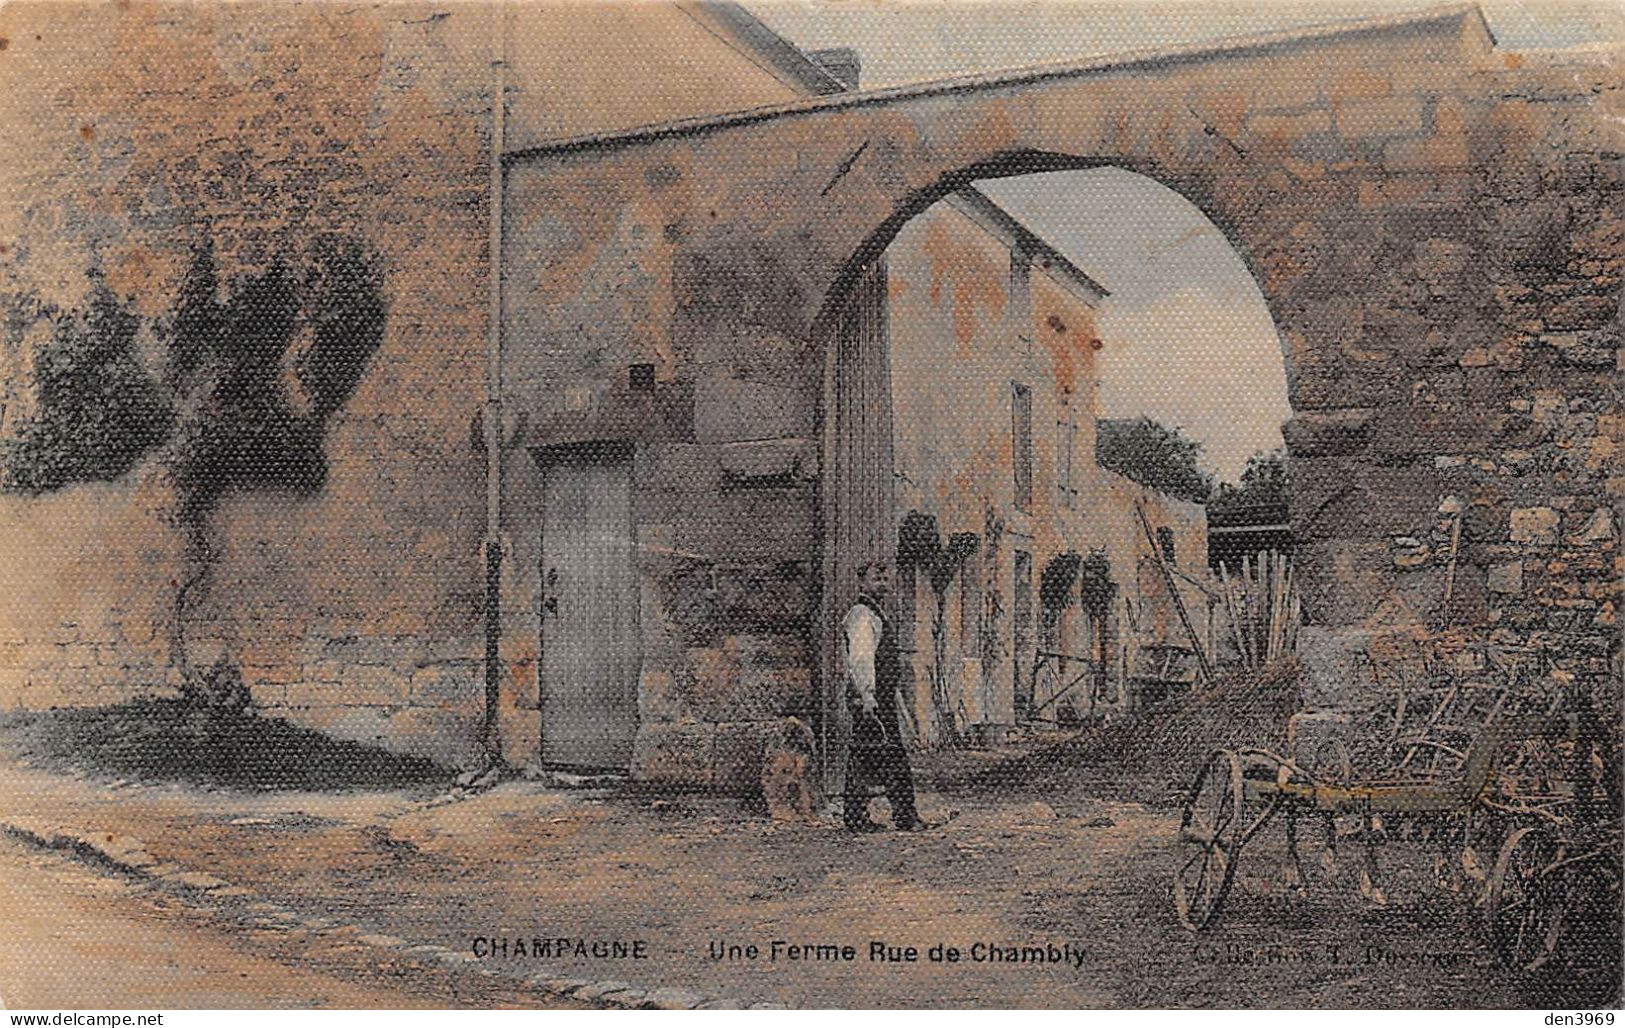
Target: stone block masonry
[142,132]
[1440,242]
[1438,238]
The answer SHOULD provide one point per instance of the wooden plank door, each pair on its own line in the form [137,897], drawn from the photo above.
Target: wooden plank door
[860,520]
[590,650]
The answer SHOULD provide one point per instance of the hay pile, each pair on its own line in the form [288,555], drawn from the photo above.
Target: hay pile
[1154,755]
[1169,742]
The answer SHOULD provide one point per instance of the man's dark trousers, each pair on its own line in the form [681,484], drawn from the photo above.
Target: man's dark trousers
[877,755]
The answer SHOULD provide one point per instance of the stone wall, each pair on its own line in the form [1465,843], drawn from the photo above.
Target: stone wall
[1503,338]
[1434,225]
[136,134]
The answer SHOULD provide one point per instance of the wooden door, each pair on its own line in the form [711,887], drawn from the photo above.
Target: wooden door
[590,651]
[860,520]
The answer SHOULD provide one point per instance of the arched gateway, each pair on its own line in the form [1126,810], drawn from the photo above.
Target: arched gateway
[1433,227]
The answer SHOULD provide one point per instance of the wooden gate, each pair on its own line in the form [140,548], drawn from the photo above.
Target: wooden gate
[859,510]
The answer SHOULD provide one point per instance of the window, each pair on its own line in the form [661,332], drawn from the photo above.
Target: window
[1021,629]
[1021,448]
[1066,438]
[970,610]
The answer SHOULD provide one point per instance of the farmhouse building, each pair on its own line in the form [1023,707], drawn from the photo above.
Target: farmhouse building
[993,347]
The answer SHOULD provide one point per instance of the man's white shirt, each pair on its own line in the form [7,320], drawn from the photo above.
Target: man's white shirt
[862,628]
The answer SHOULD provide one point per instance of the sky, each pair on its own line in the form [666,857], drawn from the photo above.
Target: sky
[1184,310]
[1189,339]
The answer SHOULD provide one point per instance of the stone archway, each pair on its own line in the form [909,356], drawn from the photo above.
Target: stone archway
[860,413]
[1376,177]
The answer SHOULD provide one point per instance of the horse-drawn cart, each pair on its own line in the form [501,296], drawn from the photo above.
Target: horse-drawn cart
[1557,875]
[1524,782]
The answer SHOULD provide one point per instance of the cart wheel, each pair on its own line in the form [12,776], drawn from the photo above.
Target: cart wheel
[1209,841]
[1524,901]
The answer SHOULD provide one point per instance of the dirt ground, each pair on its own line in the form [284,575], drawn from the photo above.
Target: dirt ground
[78,938]
[1065,862]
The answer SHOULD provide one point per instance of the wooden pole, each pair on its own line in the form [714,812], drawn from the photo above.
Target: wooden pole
[1232,617]
[1202,665]
[1450,571]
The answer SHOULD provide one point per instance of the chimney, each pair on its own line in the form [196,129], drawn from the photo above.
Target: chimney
[842,62]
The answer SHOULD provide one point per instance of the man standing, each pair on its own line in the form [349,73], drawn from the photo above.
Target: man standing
[873,666]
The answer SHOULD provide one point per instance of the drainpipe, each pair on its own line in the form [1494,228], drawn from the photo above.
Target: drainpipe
[493,394]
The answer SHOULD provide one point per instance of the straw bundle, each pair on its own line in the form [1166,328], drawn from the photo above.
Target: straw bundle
[1261,607]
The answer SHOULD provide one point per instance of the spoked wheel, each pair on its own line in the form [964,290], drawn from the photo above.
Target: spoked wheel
[1210,836]
[1525,900]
